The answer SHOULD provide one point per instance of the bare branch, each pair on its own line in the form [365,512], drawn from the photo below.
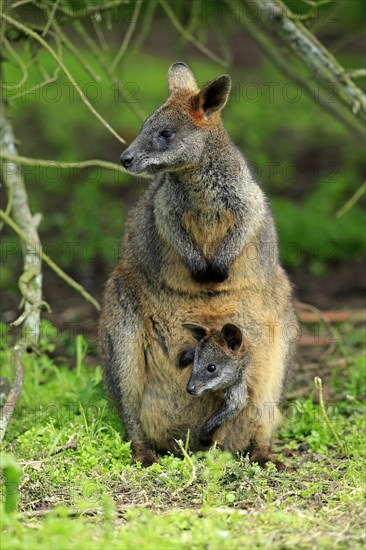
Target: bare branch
[47,78]
[285,65]
[11,401]
[321,63]
[127,37]
[106,68]
[50,18]
[146,25]
[352,201]
[85,100]
[58,164]
[22,66]
[188,36]
[74,50]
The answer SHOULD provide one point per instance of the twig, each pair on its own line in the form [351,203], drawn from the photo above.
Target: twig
[26,161]
[8,205]
[47,79]
[37,249]
[315,4]
[356,73]
[106,68]
[146,25]
[75,51]
[352,201]
[20,3]
[37,86]
[21,65]
[85,13]
[75,512]
[29,311]
[50,17]
[317,312]
[127,37]
[186,456]
[71,444]
[96,19]
[188,36]
[11,401]
[85,100]
[328,324]
[319,387]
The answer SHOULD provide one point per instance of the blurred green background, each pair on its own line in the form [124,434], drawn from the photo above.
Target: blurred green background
[308,163]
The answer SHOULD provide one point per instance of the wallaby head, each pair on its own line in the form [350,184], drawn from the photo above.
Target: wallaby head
[175,135]
[219,358]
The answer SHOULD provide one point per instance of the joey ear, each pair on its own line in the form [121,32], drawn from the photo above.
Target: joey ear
[180,77]
[198,332]
[232,336]
[213,97]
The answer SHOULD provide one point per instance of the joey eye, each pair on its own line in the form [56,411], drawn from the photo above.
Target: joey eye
[211,367]
[167,134]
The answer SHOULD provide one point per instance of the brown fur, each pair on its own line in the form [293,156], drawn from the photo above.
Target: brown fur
[145,305]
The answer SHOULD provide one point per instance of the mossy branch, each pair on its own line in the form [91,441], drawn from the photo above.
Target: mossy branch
[37,249]
[284,64]
[279,20]
[18,200]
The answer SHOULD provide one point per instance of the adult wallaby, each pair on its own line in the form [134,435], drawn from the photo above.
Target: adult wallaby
[218,362]
[200,246]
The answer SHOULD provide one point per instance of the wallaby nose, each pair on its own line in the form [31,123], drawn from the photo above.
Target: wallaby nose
[126,159]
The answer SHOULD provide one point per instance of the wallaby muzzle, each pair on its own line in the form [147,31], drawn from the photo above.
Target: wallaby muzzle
[127,159]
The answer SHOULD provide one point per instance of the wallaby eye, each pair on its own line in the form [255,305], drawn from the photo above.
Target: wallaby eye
[167,134]
[211,367]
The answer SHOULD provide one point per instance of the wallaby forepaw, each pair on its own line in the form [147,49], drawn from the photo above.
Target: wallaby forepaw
[217,273]
[205,440]
[199,275]
[212,274]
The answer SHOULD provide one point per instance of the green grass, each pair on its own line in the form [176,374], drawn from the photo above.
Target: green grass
[89,495]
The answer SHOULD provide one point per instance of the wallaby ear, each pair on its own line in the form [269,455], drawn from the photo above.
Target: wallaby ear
[232,336]
[198,332]
[214,95]
[180,77]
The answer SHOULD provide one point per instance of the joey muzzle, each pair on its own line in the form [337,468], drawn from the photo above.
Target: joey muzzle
[193,388]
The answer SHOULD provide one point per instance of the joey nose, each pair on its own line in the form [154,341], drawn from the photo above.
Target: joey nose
[127,159]
[191,389]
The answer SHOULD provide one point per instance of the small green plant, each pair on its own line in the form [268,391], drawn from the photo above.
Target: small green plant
[12,474]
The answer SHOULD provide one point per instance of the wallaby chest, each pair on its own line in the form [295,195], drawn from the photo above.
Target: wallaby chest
[207,227]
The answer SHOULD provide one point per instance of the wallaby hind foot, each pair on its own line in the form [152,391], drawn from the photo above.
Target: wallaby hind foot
[147,457]
[262,457]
